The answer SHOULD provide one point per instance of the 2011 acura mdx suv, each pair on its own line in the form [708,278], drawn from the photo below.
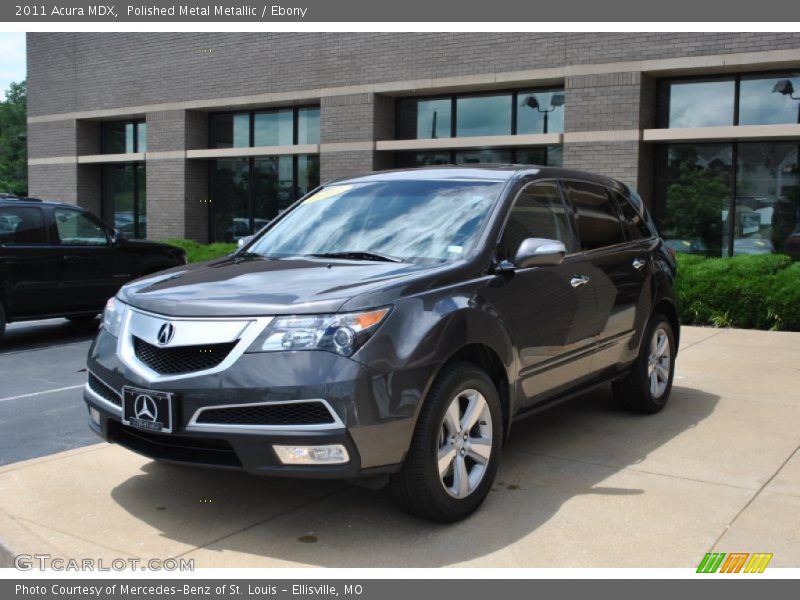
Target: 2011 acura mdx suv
[393,326]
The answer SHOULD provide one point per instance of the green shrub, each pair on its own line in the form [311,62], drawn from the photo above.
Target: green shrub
[199,252]
[754,292]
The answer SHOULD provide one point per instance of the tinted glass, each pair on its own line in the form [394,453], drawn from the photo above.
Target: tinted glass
[598,221]
[483,156]
[538,213]
[422,159]
[701,103]
[308,126]
[634,221]
[124,194]
[141,137]
[76,229]
[760,103]
[540,112]
[424,118]
[418,221]
[273,187]
[230,200]
[273,128]
[307,174]
[767,199]
[118,138]
[230,130]
[696,192]
[22,225]
[546,155]
[483,115]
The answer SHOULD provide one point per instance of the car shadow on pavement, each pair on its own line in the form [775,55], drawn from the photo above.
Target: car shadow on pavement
[556,456]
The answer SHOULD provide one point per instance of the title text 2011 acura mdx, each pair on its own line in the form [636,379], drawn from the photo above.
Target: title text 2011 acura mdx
[394,326]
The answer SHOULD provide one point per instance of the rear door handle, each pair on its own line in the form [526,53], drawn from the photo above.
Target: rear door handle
[578,280]
[639,264]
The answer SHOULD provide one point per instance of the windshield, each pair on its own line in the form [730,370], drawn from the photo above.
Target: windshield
[414,221]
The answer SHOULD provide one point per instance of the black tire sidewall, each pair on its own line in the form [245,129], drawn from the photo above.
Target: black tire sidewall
[461,379]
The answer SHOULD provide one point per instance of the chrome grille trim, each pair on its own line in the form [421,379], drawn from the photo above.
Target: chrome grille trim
[189,331]
[193,425]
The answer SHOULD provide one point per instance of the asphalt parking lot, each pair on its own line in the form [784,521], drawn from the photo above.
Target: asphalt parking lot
[583,484]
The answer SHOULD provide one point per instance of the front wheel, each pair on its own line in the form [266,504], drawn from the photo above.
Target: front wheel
[454,453]
[647,387]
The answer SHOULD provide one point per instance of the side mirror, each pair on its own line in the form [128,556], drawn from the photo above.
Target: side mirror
[116,236]
[539,252]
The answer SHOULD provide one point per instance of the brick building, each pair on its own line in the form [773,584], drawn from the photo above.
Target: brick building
[208,136]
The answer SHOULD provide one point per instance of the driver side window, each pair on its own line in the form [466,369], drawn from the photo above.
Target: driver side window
[538,212]
[76,229]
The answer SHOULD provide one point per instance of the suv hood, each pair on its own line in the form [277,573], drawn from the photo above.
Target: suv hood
[259,286]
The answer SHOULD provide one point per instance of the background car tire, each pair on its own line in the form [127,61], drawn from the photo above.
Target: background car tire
[419,487]
[2,321]
[635,391]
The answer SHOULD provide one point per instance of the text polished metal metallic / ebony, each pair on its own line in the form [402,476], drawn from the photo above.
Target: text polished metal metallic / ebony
[393,327]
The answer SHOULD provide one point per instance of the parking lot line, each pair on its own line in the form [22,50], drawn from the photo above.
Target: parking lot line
[53,391]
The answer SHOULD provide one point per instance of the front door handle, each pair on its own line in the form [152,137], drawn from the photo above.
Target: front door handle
[639,264]
[578,280]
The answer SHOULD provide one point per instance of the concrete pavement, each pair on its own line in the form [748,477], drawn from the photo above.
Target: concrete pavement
[581,485]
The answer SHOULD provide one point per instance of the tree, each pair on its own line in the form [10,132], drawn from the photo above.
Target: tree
[13,140]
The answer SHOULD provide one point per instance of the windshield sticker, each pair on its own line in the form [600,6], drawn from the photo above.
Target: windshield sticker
[455,249]
[328,192]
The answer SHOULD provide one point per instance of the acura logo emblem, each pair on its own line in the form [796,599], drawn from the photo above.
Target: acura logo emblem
[145,408]
[166,333]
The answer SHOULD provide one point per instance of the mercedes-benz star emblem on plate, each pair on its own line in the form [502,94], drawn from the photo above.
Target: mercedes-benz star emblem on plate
[145,408]
[166,333]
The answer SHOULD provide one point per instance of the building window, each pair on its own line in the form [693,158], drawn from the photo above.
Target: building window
[273,127]
[764,99]
[541,155]
[123,137]
[246,193]
[481,114]
[730,199]
[124,198]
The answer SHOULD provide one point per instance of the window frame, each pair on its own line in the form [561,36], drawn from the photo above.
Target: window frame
[513,94]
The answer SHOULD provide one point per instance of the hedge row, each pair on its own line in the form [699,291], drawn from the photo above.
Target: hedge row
[199,252]
[751,292]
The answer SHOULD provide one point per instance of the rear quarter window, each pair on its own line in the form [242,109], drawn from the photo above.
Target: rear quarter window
[22,225]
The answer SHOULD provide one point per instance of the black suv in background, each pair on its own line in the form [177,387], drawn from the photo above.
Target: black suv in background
[58,260]
[394,326]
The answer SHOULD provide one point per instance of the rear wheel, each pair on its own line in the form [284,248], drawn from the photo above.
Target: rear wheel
[454,453]
[647,387]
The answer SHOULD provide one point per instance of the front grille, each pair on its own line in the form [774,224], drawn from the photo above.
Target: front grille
[103,390]
[283,413]
[198,450]
[181,359]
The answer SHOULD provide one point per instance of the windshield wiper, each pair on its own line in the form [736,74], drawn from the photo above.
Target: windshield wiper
[358,255]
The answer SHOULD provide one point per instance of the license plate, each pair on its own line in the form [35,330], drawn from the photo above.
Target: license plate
[147,409]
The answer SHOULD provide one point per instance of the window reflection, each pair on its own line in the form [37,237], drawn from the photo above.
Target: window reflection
[273,128]
[701,103]
[540,112]
[483,115]
[760,103]
[231,200]
[540,155]
[308,125]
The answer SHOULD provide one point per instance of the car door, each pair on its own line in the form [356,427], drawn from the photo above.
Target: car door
[92,268]
[549,310]
[617,266]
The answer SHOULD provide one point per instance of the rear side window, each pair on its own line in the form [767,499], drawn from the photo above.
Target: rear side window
[22,225]
[77,229]
[597,217]
[538,212]
[633,220]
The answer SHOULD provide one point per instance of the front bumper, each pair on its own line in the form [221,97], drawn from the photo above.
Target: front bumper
[374,430]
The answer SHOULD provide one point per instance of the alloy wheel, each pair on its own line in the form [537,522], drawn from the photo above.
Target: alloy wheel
[659,363]
[465,443]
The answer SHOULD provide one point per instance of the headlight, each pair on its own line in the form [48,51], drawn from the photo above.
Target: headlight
[113,315]
[343,333]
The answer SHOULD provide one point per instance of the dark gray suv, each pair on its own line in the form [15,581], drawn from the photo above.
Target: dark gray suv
[393,327]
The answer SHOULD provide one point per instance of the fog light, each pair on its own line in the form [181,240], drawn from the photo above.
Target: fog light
[334,454]
[95,415]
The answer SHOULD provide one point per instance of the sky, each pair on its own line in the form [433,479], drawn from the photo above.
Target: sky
[12,60]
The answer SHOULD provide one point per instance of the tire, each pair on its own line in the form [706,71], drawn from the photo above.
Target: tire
[646,389]
[419,487]
[2,321]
